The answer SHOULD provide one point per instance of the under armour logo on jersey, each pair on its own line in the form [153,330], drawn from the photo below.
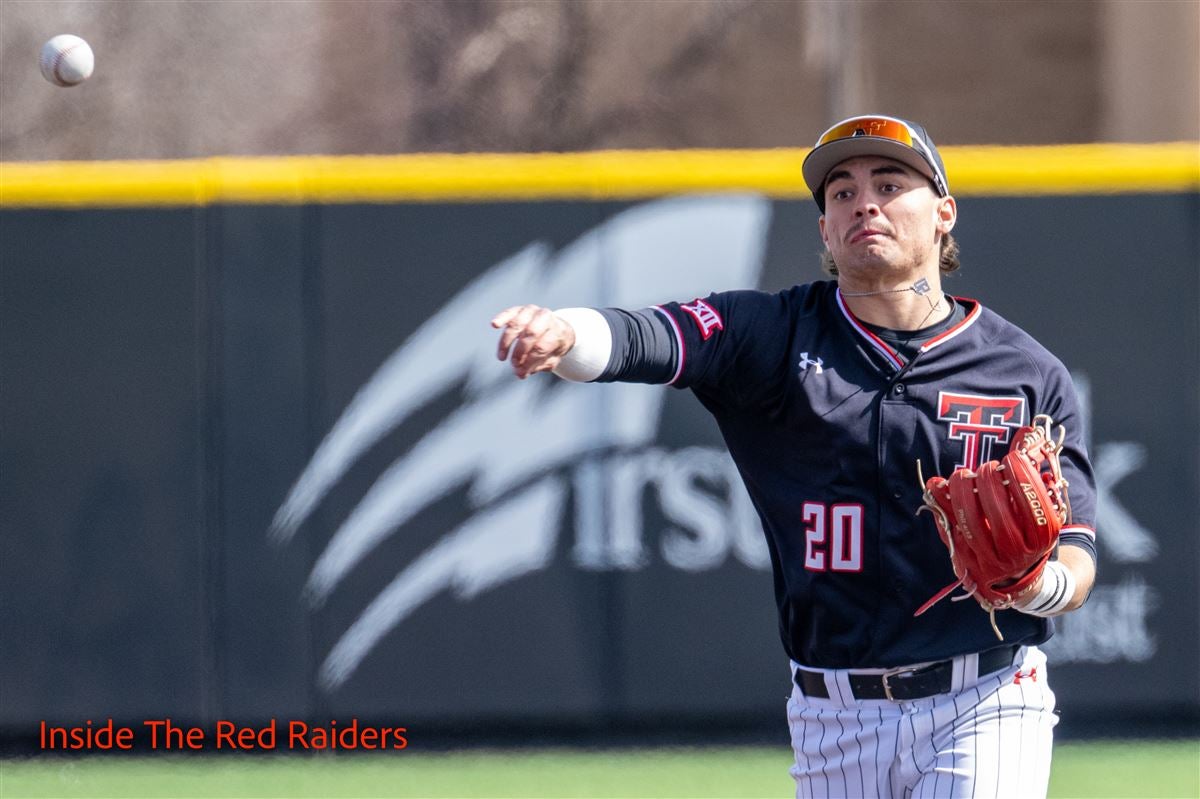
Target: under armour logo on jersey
[806,362]
[1020,675]
[706,317]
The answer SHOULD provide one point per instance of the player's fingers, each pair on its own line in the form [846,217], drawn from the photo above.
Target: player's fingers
[540,338]
[514,324]
[540,363]
[539,322]
[546,365]
[537,344]
[513,312]
[501,319]
[534,365]
[506,340]
[535,329]
[527,354]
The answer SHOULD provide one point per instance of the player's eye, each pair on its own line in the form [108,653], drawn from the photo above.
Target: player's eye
[841,194]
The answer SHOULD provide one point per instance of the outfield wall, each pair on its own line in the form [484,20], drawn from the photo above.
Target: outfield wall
[258,460]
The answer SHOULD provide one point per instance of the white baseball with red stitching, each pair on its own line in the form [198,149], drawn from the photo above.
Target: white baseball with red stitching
[67,60]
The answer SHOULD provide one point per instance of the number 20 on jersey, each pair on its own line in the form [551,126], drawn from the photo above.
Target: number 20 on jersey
[833,536]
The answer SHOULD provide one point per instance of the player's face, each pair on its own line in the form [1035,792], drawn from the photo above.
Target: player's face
[882,216]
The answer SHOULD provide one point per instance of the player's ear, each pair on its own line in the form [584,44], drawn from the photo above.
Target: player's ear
[821,225]
[947,214]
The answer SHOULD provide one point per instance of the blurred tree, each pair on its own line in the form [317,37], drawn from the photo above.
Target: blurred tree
[179,79]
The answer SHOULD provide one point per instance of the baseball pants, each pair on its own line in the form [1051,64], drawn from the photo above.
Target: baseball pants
[989,736]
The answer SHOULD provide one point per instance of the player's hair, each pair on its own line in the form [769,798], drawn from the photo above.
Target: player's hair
[948,261]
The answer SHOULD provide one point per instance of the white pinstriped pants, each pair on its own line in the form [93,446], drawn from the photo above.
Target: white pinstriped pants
[988,737]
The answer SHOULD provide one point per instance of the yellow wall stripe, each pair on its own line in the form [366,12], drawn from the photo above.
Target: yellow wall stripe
[608,175]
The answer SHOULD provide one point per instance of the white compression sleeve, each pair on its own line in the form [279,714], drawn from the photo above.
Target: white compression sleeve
[1058,586]
[588,359]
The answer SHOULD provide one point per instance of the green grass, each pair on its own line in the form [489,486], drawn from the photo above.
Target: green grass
[1107,769]
[1126,770]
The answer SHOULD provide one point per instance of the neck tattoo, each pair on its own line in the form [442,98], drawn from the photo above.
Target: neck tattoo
[920,287]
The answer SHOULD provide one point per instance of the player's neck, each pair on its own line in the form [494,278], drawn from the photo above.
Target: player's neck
[907,305]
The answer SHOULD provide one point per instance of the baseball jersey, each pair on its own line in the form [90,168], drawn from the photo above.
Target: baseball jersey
[826,423]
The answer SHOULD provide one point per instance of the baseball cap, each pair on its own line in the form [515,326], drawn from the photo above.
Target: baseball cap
[888,137]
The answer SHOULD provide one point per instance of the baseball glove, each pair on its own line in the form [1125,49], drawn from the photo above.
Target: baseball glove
[1000,524]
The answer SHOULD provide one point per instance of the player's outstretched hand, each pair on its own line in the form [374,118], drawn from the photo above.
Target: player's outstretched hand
[533,339]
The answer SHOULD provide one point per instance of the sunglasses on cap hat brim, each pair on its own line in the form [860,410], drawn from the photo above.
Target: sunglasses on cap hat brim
[882,136]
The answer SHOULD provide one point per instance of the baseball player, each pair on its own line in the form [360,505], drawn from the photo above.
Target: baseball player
[828,395]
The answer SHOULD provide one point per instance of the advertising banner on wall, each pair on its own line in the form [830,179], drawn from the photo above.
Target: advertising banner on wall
[261,461]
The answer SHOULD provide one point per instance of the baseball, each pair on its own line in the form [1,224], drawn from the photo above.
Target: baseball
[66,60]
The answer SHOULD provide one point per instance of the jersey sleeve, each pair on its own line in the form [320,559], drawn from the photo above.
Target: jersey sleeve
[643,348]
[1062,404]
[731,346]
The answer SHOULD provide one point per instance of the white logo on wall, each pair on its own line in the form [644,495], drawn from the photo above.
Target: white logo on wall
[519,446]
[1113,625]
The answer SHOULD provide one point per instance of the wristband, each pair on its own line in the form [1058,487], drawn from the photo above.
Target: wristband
[588,359]
[1058,587]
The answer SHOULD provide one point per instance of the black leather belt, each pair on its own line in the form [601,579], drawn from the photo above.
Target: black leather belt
[901,685]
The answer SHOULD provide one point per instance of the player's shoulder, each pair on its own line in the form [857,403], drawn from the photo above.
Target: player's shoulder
[810,299]
[750,312]
[800,300]
[998,332]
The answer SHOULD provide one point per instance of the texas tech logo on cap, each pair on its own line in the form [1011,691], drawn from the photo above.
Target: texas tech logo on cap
[706,317]
[984,425]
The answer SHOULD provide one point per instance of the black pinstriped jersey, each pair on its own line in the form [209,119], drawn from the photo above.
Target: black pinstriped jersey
[826,423]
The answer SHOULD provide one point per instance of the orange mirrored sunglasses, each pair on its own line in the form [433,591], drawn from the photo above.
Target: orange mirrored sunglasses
[882,127]
[886,128]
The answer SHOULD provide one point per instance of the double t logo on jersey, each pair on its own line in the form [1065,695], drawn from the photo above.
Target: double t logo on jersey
[980,423]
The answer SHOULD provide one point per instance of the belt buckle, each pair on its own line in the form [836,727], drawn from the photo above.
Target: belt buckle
[887,688]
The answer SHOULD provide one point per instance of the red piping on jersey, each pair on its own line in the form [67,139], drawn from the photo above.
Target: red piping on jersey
[879,344]
[1079,528]
[678,338]
[891,354]
[960,327]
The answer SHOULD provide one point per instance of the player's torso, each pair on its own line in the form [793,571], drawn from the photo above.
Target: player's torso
[831,459]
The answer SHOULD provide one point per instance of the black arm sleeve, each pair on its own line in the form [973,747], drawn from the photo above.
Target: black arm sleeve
[644,349]
[1084,542]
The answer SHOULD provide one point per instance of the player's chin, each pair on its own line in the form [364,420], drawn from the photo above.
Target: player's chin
[875,247]
[865,261]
